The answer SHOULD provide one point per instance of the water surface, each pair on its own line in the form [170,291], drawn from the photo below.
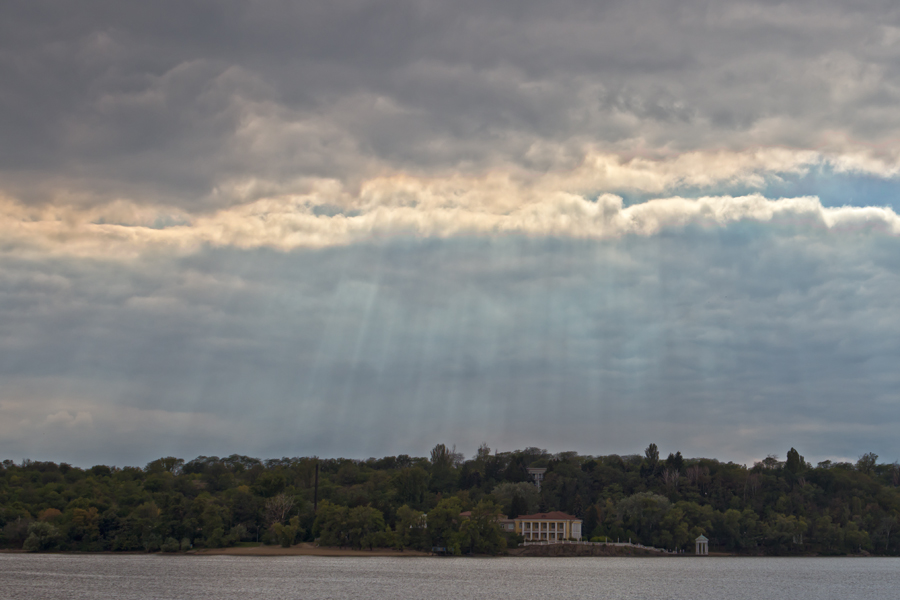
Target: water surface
[140,577]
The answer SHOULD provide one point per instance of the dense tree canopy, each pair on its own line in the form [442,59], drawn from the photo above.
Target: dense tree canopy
[773,507]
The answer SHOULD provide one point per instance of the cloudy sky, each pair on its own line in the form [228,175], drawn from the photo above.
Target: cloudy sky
[360,228]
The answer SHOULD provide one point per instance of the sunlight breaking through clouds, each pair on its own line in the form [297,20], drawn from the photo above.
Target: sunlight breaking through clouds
[278,228]
[331,214]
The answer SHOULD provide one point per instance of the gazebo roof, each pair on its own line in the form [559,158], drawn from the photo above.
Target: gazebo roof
[702,538]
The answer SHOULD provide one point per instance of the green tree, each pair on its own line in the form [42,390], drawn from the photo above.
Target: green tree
[642,512]
[170,464]
[651,461]
[442,460]
[364,523]
[410,527]
[443,524]
[411,484]
[480,533]
[794,463]
[287,534]
[866,463]
[529,496]
[673,531]
[332,523]
[518,506]
[41,536]
[675,462]
[170,545]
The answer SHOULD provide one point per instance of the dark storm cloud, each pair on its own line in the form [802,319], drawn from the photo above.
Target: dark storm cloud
[170,101]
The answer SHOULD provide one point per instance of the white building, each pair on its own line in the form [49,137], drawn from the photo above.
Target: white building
[554,526]
[701,546]
[537,474]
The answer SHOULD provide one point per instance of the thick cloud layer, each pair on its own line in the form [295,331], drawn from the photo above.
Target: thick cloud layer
[361,228]
[201,104]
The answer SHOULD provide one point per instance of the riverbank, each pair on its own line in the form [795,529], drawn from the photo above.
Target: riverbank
[309,549]
[567,550]
[549,551]
[304,549]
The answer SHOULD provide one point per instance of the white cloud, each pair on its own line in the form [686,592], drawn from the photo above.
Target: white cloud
[512,201]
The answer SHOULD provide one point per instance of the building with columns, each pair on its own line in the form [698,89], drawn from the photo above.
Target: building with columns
[537,475]
[554,526]
[701,547]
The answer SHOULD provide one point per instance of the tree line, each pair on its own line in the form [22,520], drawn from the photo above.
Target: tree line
[774,507]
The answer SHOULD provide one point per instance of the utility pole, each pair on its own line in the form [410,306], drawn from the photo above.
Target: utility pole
[316,489]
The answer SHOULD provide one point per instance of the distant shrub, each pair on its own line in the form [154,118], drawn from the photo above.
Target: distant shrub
[237,533]
[217,539]
[270,537]
[152,543]
[41,536]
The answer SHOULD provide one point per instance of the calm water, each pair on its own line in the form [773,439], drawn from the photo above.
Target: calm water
[39,577]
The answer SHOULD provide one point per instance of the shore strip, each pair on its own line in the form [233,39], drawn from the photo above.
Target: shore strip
[305,549]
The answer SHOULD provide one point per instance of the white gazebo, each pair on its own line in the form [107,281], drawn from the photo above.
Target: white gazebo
[701,546]
[538,475]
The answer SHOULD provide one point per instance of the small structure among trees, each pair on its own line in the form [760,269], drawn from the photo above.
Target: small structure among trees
[701,546]
[537,474]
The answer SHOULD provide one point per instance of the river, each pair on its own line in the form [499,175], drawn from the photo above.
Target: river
[161,577]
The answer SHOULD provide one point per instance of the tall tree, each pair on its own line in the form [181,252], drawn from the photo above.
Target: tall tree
[866,462]
[794,463]
[442,463]
[518,506]
[480,533]
[651,460]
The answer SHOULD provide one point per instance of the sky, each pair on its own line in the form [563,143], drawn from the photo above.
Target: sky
[355,228]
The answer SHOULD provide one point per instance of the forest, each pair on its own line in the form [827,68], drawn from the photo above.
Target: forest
[774,507]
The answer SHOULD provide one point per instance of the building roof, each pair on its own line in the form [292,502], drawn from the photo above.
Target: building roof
[556,515]
[702,538]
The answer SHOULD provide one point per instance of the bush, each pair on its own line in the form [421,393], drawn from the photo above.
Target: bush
[237,533]
[126,542]
[152,543]
[170,545]
[216,539]
[286,534]
[15,532]
[32,544]
[270,537]
[41,536]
